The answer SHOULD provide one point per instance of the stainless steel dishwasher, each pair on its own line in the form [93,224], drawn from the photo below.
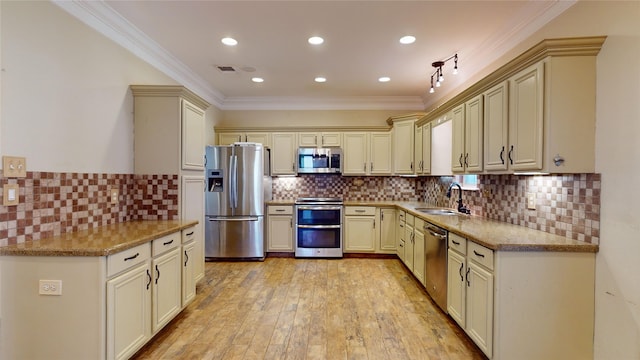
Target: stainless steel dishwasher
[436,263]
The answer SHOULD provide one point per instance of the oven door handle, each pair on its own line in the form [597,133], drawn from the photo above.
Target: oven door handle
[319,207]
[319,226]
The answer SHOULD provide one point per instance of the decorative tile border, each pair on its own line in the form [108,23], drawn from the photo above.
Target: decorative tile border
[56,203]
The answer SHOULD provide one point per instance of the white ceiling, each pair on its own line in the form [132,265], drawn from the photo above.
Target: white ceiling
[182,38]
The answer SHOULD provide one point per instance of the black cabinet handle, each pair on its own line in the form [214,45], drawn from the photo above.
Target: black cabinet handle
[460,160]
[467,275]
[186,260]
[460,271]
[189,234]
[502,155]
[149,276]
[168,242]
[132,257]
[478,254]
[157,274]
[455,242]
[510,158]
[466,160]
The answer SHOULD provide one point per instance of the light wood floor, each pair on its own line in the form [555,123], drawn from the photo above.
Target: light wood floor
[285,308]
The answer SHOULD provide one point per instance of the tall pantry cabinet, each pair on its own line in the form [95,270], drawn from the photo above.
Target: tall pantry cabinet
[169,128]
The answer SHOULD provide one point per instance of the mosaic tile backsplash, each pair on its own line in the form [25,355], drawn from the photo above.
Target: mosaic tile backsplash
[56,203]
[566,205]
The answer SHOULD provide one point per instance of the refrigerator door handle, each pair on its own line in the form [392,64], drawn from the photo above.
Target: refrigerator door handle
[233,180]
[242,218]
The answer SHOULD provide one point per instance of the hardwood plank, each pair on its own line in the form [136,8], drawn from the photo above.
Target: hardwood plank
[286,308]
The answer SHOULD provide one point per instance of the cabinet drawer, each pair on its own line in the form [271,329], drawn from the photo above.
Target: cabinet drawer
[360,210]
[410,219]
[165,243]
[280,210]
[188,234]
[458,243]
[419,225]
[481,255]
[126,259]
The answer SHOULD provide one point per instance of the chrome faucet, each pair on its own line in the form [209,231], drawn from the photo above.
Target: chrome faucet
[461,207]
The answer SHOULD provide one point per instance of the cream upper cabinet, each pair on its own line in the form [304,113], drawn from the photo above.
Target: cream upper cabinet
[192,136]
[367,153]
[228,138]
[380,160]
[284,153]
[322,139]
[496,127]
[467,136]
[526,119]
[423,149]
[403,146]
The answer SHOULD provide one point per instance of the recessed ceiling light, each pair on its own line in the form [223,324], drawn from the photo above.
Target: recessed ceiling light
[320,79]
[384,79]
[315,40]
[257,79]
[229,41]
[407,39]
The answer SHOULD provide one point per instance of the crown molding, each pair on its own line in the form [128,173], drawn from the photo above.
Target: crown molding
[324,103]
[102,18]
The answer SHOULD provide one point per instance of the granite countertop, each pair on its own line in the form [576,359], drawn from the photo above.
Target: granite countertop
[98,241]
[495,235]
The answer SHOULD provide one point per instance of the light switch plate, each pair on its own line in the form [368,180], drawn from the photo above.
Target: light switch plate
[114,194]
[14,167]
[10,194]
[531,201]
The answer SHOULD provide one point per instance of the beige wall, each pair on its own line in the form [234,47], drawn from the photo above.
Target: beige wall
[308,118]
[66,103]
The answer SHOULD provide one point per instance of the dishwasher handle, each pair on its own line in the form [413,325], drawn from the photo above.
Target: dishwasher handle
[436,231]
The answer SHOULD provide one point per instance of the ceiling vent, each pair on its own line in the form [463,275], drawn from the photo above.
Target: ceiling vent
[228,69]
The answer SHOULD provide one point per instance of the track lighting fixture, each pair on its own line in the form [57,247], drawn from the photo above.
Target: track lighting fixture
[438,72]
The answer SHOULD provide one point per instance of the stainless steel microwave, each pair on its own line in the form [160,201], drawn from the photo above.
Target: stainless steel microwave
[319,160]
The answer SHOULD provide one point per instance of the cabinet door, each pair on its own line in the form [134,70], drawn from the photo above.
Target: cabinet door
[331,139]
[193,209]
[408,246]
[480,307]
[260,138]
[188,276]
[283,153]
[526,91]
[496,127]
[400,235]
[308,140]
[380,162]
[280,233]
[128,312]
[355,153]
[426,148]
[167,288]
[230,138]
[192,137]
[403,143]
[419,255]
[359,233]
[387,220]
[457,146]
[456,287]
[473,125]
[417,150]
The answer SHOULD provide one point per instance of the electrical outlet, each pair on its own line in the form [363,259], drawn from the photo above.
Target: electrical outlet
[531,201]
[14,166]
[50,287]
[114,194]
[10,194]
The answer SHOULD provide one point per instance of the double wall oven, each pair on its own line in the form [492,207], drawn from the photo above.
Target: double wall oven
[318,227]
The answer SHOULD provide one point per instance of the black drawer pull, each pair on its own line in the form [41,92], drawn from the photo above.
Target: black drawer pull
[132,257]
[478,254]
[455,242]
[168,242]
[189,234]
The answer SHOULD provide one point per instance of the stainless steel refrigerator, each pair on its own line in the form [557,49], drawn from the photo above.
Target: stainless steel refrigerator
[238,183]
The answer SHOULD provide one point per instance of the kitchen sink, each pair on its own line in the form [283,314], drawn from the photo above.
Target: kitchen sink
[437,211]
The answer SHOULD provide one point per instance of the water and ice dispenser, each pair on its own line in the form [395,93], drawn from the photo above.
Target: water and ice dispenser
[215,180]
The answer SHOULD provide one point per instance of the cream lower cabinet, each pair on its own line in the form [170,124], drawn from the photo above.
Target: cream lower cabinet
[522,304]
[193,209]
[419,254]
[167,280]
[280,228]
[409,240]
[386,241]
[188,266]
[359,229]
[401,234]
